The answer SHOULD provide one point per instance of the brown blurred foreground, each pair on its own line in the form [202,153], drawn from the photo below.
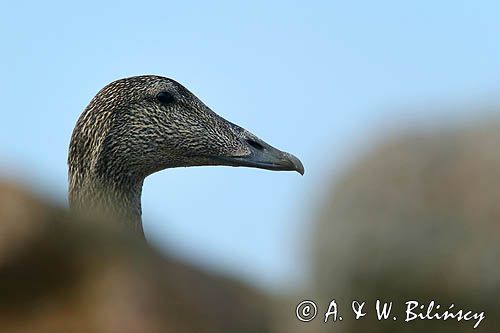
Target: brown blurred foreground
[59,273]
[416,219]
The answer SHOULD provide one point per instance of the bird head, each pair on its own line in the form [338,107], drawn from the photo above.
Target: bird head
[144,124]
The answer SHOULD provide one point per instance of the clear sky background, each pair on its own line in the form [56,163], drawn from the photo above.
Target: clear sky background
[320,79]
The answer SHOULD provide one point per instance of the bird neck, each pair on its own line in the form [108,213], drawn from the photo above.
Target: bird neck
[116,198]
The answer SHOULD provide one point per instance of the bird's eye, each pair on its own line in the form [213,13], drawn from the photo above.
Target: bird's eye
[165,97]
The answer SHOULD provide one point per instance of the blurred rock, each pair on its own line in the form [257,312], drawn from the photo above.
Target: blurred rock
[60,273]
[416,219]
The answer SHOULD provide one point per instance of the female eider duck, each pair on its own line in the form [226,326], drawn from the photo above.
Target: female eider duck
[140,125]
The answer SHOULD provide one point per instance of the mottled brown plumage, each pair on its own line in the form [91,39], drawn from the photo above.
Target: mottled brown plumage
[136,126]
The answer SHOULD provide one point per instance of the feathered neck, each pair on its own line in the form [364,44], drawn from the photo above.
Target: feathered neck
[115,198]
[97,183]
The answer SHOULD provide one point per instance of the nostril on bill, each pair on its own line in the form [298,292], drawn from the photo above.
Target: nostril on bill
[255,144]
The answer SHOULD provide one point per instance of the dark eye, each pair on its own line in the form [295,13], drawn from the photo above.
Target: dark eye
[165,97]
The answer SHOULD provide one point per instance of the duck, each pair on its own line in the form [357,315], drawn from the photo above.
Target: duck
[136,126]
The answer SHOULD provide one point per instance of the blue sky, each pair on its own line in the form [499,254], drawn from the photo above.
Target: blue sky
[320,79]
